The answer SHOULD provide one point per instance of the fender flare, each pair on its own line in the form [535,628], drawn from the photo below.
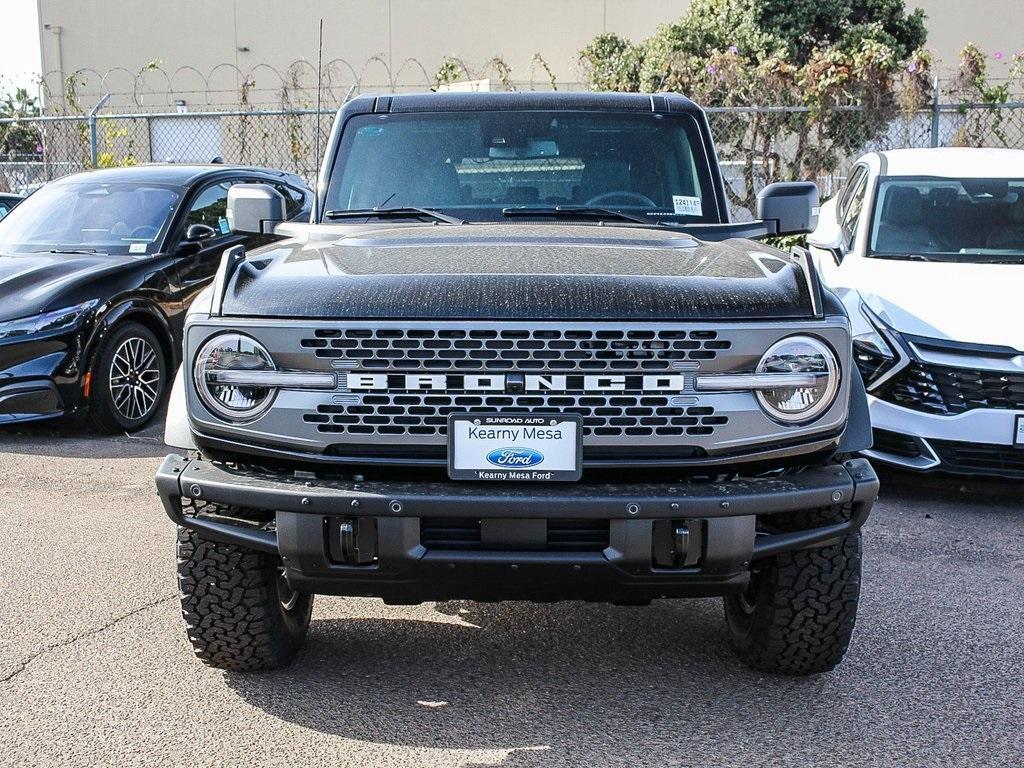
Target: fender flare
[177,432]
[857,436]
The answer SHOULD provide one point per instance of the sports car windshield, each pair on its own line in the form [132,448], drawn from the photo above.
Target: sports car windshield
[962,220]
[74,217]
[488,165]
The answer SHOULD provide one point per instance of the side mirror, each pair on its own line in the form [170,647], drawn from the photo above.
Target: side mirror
[254,209]
[198,232]
[829,238]
[792,205]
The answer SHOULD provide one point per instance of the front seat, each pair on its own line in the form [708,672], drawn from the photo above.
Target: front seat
[1012,235]
[902,228]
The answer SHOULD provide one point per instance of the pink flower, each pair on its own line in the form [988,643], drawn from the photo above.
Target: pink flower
[733,50]
[998,56]
[712,69]
[912,67]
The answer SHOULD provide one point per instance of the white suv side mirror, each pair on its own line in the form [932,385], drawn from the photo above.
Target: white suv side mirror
[828,235]
[254,208]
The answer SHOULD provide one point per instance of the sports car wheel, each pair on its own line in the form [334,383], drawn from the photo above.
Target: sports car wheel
[129,378]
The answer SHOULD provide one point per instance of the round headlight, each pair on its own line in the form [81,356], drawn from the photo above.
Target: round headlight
[220,357]
[798,404]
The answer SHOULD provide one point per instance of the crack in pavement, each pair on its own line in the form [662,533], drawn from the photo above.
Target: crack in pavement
[24,663]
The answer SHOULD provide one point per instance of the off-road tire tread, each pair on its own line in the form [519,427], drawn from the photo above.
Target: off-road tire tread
[810,608]
[230,605]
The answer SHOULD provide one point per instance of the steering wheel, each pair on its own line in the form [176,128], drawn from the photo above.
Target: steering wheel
[607,198]
[144,232]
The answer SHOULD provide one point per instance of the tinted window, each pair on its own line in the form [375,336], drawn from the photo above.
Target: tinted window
[293,199]
[211,208]
[966,220]
[854,205]
[476,163]
[105,217]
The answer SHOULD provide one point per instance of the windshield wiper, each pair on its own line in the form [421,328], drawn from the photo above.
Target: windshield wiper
[68,250]
[397,212]
[576,212]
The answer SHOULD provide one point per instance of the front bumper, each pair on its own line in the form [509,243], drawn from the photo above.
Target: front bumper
[34,383]
[648,540]
[980,441]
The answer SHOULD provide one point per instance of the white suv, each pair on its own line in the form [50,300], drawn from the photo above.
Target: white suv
[926,249]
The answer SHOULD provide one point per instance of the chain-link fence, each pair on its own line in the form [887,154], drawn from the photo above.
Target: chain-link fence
[757,145]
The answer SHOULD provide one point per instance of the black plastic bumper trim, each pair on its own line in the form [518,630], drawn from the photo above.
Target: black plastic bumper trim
[853,483]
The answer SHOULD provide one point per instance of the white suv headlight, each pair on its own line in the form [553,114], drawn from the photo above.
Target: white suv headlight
[225,373]
[807,401]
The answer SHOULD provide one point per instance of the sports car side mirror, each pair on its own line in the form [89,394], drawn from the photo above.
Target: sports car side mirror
[198,232]
[254,209]
[792,206]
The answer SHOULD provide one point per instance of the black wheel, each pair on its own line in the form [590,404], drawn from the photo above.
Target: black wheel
[240,613]
[797,615]
[129,378]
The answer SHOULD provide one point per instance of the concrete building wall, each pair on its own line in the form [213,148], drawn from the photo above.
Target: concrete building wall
[207,48]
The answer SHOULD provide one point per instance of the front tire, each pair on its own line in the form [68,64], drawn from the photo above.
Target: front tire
[798,614]
[128,379]
[240,614]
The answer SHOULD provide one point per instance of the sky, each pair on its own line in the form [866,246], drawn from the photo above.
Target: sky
[19,45]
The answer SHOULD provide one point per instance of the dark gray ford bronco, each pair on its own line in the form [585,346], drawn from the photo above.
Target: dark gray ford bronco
[520,352]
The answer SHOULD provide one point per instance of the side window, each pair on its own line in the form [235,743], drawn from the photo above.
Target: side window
[846,195]
[293,199]
[853,206]
[211,208]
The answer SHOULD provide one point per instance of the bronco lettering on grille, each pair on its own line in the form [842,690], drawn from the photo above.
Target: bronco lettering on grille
[531,383]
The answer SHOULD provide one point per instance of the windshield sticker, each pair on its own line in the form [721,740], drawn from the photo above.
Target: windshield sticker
[222,223]
[684,204]
[137,248]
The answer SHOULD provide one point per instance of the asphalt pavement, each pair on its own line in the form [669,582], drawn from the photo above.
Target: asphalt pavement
[95,669]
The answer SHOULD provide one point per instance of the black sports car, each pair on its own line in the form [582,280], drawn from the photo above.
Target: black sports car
[7,203]
[96,272]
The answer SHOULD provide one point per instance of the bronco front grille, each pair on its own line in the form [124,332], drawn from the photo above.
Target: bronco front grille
[603,415]
[515,349]
[632,383]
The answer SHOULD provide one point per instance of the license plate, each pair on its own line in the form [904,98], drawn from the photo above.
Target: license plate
[1018,432]
[514,448]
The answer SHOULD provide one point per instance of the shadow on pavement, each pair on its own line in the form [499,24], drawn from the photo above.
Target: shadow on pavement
[73,438]
[633,684]
[929,487]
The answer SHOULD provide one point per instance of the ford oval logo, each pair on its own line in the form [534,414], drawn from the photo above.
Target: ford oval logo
[515,457]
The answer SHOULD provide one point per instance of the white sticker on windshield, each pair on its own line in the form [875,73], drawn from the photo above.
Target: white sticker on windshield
[684,204]
[137,248]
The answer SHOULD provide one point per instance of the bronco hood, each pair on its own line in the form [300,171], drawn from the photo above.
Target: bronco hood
[517,271]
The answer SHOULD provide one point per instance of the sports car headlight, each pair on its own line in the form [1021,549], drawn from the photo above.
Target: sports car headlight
[46,322]
[877,356]
[225,371]
[815,376]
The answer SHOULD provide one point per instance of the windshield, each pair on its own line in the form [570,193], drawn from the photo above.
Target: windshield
[477,164]
[120,218]
[963,220]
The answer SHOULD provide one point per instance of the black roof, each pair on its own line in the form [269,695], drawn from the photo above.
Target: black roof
[167,173]
[445,101]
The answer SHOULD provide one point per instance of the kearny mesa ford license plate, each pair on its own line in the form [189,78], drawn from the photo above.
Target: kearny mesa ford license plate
[517,448]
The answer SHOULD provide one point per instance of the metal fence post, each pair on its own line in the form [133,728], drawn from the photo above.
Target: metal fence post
[93,129]
[935,111]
